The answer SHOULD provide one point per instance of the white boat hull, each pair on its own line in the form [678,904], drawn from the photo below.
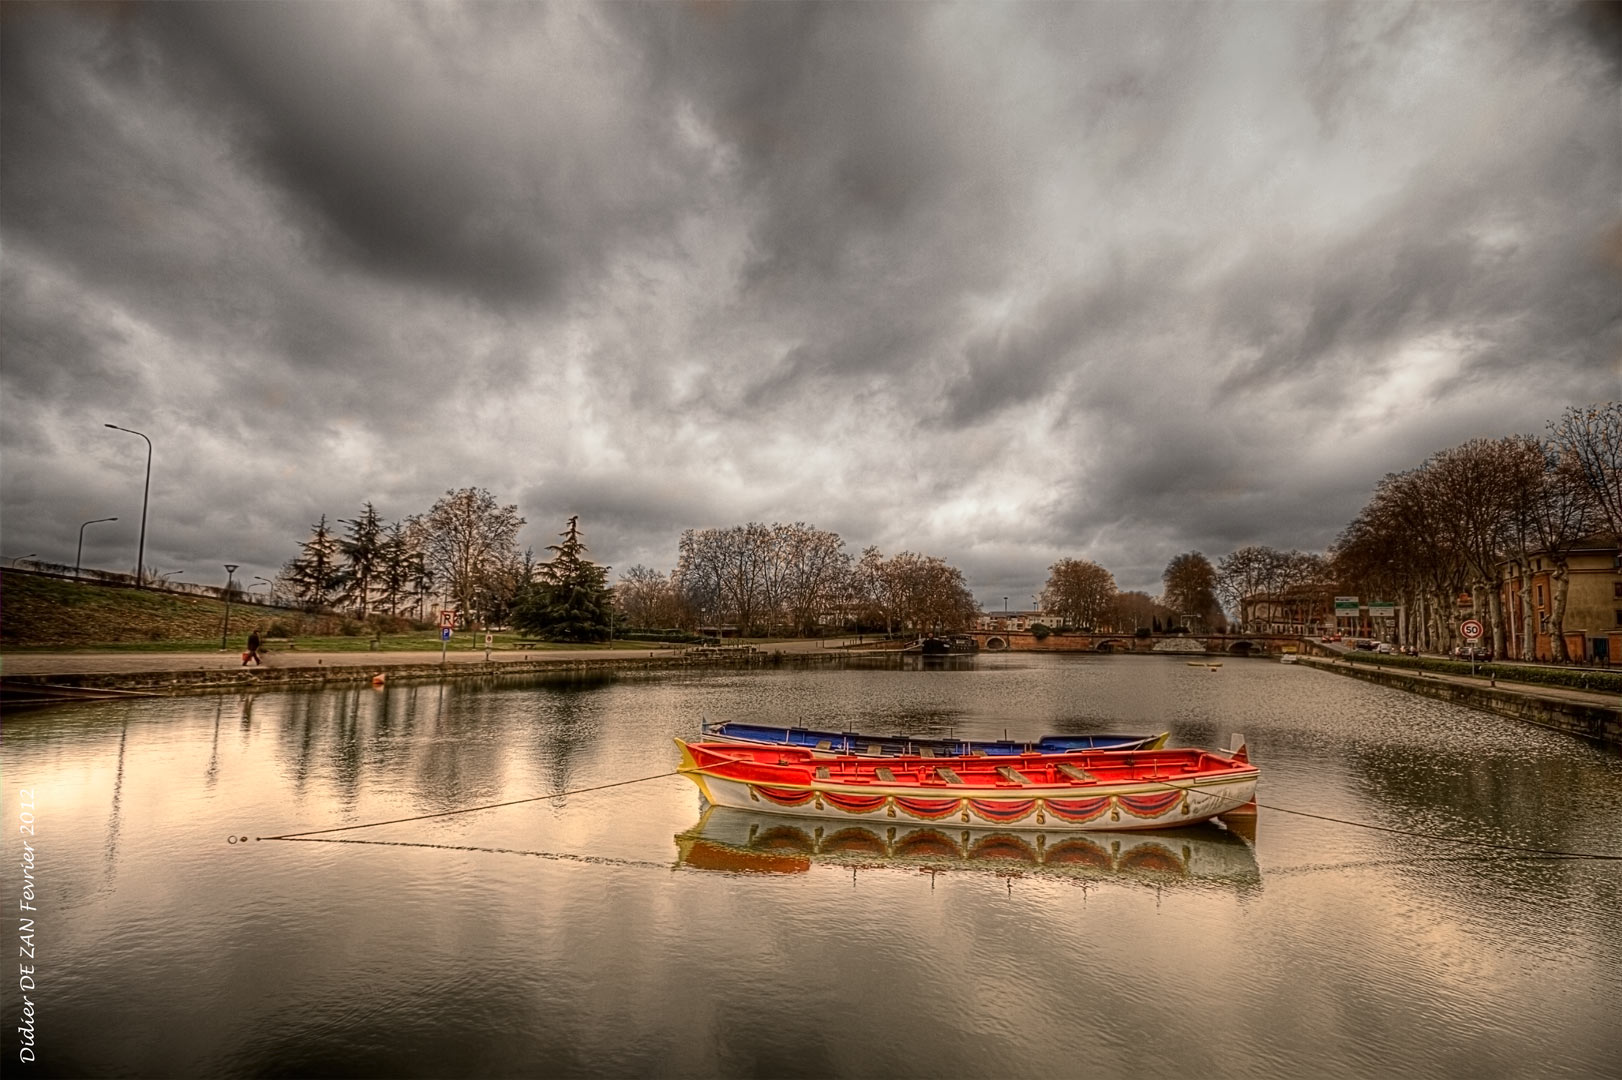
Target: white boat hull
[1138,805]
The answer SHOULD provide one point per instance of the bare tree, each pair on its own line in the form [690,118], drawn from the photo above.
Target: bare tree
[1588,443]
[926,594]
[467,538]
[648,599]
[1080,592]
[1190,584]
[1137,610]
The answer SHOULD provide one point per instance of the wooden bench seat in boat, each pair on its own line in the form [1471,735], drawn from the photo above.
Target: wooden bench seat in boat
[948,775]
[1081,775]
[884,774]
[1012,775]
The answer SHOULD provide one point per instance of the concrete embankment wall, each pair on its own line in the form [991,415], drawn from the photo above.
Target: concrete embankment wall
[284,678]
[1598,722]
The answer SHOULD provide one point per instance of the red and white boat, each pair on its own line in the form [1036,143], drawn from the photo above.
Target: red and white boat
[1093,790]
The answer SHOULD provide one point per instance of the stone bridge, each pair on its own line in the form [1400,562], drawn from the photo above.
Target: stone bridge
[1192,644]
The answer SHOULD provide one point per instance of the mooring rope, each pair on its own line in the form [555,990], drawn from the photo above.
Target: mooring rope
[1517,848]
[559,856]
[471,809]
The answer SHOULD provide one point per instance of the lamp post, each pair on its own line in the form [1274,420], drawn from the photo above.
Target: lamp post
[230,568]
[15,559]
[80,555]
[140,550]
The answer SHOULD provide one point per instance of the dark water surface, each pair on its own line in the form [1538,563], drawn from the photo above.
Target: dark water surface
[616,933]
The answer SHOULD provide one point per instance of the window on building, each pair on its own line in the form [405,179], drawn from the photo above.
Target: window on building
[1540,596]
[1619,617]
[1616,590]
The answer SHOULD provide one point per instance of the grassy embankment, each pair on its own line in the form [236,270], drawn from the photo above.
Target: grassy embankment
[46,614]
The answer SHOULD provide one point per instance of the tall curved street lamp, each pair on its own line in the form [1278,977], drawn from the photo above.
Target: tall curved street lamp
[80,555]
[140,551]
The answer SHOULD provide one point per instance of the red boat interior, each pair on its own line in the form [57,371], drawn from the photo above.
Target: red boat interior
[779,765]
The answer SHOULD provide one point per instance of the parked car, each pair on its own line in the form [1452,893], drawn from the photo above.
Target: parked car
[1471,652]
[1367,646]
[1384,647]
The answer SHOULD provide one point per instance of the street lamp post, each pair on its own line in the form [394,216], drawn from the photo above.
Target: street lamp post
[230,568]
[140,550]
[77,558]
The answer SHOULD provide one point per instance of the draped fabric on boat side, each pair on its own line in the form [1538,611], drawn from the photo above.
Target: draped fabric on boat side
[1150,805]
[1003,810]
[783,797]
[928,809]
[1077,810]
[855,804]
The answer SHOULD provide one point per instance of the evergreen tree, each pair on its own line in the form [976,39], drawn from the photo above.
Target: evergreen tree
[570,599]
[314,574]
[363,552]
[399,565]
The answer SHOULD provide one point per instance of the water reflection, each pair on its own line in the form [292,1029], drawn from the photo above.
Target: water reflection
[115,820]
[736,841]
[533,936]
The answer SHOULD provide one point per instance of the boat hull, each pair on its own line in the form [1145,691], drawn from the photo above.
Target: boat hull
[1145,800]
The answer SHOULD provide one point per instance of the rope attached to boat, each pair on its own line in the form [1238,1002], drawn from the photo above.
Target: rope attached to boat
[470,809]
[1517,848]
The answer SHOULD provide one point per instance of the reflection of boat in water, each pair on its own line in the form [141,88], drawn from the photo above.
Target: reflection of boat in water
[832,743]
[1093,790]
[744,842]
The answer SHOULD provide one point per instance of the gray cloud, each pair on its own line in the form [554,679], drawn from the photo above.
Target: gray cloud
[1002,283]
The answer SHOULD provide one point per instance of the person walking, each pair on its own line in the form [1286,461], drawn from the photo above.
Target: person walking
[253,649]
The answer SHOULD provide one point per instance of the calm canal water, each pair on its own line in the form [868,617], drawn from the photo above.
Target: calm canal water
[621,933]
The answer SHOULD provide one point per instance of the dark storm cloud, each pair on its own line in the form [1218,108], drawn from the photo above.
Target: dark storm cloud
[1003,283]
[401,152]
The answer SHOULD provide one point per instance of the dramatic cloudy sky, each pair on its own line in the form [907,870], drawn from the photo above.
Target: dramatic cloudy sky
[997,282]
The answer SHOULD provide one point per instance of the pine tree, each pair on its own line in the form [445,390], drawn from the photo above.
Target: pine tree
[362,551]
[570,599]
[399,563]
[315,574]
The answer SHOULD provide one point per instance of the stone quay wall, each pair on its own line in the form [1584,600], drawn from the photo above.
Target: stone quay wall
[1598,722]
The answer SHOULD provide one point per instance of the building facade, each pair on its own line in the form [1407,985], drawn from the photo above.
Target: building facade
[1593,617]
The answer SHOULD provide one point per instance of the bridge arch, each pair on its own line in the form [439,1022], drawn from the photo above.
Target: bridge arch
[1109,645]
[1243,648]
[996,644]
